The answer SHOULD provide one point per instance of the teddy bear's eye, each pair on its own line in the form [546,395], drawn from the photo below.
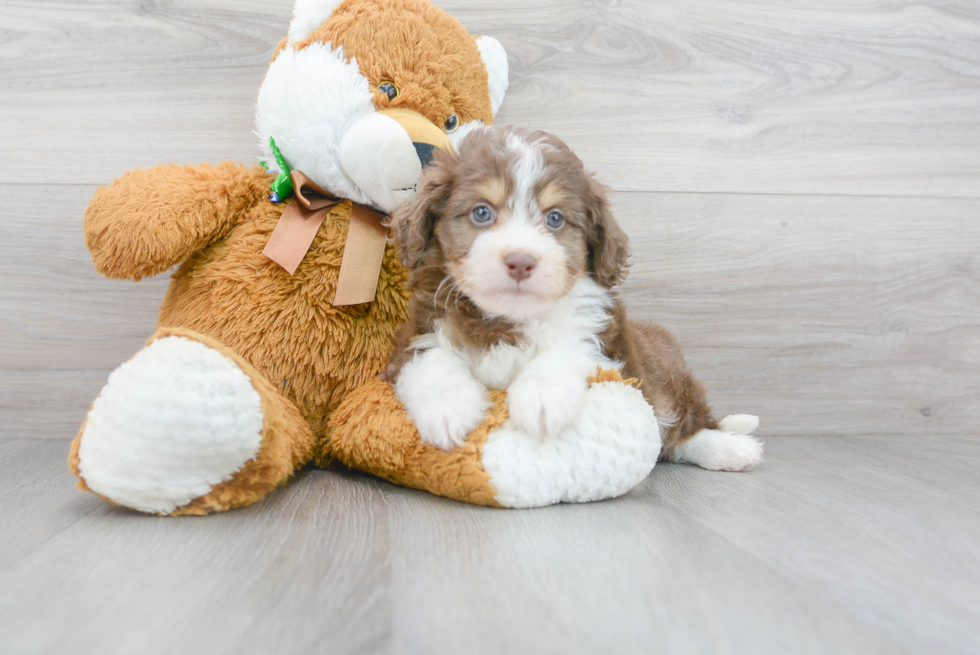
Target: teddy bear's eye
[452,123]
[389,90]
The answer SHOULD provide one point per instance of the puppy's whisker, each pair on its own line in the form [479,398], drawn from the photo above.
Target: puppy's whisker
[435,297]
[457,294]
[452,287]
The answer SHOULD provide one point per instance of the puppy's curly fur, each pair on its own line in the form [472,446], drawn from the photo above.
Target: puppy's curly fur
[513,255]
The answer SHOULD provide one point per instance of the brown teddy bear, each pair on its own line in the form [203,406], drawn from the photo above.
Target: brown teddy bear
[282,311]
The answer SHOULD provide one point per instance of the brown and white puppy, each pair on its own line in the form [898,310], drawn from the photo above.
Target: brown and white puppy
[513,255]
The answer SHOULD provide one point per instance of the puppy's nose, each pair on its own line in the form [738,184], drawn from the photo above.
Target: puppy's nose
[519,265]
[424,151]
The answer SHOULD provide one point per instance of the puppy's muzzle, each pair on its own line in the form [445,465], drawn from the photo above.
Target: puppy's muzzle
[425,136]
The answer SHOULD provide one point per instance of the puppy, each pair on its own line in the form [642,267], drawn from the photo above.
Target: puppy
[513,257]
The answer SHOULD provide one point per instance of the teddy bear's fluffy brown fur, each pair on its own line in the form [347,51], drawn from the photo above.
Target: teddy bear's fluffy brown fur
[310,351]
[303,355]
[430,57]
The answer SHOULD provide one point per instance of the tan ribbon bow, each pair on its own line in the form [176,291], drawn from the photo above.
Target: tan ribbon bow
[363,250]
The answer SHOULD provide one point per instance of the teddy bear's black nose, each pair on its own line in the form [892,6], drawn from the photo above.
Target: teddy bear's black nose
[424,151]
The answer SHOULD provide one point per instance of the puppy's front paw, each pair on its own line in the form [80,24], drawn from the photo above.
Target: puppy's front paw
[444,411]
[545,406]
[446,427]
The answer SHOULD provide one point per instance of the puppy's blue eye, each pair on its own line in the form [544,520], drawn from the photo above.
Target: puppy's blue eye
[482,215]
[555,220]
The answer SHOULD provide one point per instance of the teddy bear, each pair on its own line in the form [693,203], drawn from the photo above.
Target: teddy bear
[281,311]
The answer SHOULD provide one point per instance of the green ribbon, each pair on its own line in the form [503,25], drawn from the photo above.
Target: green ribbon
[282,186]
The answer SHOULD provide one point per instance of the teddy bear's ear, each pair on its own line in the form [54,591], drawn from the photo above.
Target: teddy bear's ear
[309,15]
[495,59]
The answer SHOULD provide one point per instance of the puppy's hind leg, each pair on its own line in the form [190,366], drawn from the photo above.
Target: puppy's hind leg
[693,436]
[697,438]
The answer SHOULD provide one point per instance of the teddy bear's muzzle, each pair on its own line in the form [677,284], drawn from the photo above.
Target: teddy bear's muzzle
[425,136]
[384,152]
[424,151]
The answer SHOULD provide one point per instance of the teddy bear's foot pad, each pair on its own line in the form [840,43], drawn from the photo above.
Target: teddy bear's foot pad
[172,422]
[610,449]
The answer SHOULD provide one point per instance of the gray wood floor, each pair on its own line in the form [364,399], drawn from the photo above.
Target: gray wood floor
[835,545]
[801,182]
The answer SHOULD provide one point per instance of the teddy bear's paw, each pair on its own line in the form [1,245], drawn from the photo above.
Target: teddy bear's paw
[172,422]
[718,450]
[541,406]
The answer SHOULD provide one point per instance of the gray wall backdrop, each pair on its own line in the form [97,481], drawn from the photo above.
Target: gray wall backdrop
[801,181]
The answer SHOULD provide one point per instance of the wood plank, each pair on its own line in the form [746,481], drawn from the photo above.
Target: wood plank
[38,498]
[845,545]
[627,576]
[824,315]
[856,98]
[63,327]
[763,96]
[303,572]
[92,89]
[887,525]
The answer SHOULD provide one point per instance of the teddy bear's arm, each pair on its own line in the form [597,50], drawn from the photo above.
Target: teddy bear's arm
[149,220]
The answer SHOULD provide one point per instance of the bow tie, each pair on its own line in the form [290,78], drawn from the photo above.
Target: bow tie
[363,251]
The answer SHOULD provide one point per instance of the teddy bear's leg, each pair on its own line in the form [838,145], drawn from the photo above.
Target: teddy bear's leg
[188,427]
[609,449]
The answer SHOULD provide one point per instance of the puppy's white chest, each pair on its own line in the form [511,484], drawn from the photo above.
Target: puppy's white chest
[496,368]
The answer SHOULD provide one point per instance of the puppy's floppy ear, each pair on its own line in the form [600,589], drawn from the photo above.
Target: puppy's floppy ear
[412,226]
[608,244]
